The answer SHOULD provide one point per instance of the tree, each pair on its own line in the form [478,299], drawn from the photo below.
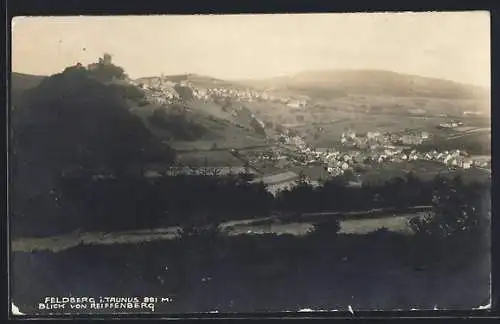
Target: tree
[455,211]
[200,231]
[326,230]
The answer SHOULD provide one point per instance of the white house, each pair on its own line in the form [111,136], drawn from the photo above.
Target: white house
[467,164]
[447,159]
[295,104]
[388,152]
[372,135]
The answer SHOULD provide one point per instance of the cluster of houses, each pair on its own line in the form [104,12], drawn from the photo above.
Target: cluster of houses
[293,140]
[162,90]
[246,95]
[338,162]
[372,140]
[451,124]
[381,149]
[314,165]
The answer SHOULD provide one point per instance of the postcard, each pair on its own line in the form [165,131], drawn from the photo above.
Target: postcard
[250,164]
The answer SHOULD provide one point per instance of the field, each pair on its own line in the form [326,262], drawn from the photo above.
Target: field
[326,133]
[212,158]
[332,131]
[221,129]
[472,131]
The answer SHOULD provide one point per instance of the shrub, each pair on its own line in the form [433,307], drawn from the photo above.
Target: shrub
[199,232]
[457,229]
[455,212]
[326,229]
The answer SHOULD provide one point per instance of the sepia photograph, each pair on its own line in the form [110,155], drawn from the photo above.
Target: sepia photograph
[250,163]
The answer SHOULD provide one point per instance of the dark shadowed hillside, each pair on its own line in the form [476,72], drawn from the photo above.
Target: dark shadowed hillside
[72,125]
[369,82]
[20,82]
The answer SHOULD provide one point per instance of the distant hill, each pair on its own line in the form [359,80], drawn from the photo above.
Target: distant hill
[20,82]
[327,84]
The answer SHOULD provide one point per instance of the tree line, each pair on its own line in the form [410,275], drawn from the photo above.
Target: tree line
[132,202]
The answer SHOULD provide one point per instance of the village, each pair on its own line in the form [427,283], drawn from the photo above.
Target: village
[289,156]
[162,91]
[352,154]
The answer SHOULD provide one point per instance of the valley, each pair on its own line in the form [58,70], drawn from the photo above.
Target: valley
[215,162]
[260,121]
[222,165]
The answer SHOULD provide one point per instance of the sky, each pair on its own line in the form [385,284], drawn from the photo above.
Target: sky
[453,46]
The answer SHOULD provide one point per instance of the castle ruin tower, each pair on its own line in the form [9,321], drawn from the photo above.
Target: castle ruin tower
[106,59]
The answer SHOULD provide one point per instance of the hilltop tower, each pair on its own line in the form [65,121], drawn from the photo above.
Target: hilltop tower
[107,59]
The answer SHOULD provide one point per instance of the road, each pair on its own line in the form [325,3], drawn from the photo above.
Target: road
[470,132]
[258,225]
